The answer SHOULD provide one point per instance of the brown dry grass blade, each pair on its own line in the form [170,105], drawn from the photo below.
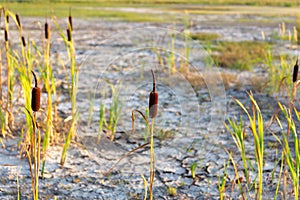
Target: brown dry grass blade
[126,155]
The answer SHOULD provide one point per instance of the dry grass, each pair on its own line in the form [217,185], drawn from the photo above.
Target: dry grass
[239,55]
[202,36]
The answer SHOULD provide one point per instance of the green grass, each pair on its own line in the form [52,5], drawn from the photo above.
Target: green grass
[111,9]
[284,3]
[83,10]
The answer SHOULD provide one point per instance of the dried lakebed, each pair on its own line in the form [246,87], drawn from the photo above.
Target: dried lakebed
[189,127]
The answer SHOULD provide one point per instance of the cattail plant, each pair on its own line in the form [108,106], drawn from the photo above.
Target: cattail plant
[295,170]
[8,116]
[153,99]
[35,143]
[19,25]
[74,78]
[50,88]
[153,109]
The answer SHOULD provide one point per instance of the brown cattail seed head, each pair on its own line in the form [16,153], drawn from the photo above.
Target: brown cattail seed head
[5,35]
[46,31]
[153,99]
[35,99]
[69,35]
[153,104]
[35,95]
[23,41]
[18,20]
[295,74]
[7,18]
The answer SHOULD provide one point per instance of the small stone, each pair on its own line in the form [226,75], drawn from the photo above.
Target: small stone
[76,180]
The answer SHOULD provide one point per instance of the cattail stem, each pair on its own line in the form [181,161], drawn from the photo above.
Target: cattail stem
[8,116]
[154,81]
[152,160]
[70,19]
[35,79]
[48,79]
